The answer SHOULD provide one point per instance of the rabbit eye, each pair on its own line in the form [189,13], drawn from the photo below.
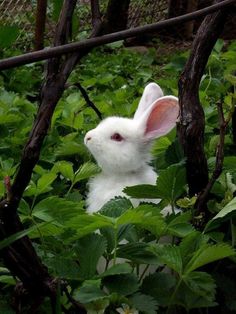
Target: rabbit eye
[117,137]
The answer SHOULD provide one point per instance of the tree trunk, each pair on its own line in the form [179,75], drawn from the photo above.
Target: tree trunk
[116,17]
[191,126]
[40,24]
[180,7]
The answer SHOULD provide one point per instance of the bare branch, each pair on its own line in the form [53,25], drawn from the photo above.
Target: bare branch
[88,101]
[203,196]
[40,24]
[94,42]
[96,17]
[192,123]
[223,124]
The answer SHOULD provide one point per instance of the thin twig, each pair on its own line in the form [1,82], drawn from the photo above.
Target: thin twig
[75,303]
[98,41]
[88,101]
[223,123]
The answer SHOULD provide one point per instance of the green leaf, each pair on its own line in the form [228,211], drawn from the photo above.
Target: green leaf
[90,292]
[9,118]
[85,224]
[45,181]
[63,267]
[117,269]
[197,290]
[227,211]
[86,171]
[159,286]
[138,252]
[180,225]
[190,244]
[89,249]
[124,284]
[17,236]
[144,303]
[8,34]
[57,209]
[142,191]
[116,207]
[208,254]
[65,168]
[169,255]
[171,182]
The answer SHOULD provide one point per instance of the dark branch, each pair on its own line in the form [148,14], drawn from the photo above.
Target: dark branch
[96,17]
[88,101]
[223,124]
[20,257]
[40,24]
[192,123]
[94,42]
[203,196]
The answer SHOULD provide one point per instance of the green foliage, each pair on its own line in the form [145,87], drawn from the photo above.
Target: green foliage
[113,260]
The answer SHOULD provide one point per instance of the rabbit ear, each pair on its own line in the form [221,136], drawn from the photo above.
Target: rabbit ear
[160,118]
[151,93]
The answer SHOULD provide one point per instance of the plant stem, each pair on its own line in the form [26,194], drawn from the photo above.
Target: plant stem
[173,295]
[115,244]
[232,232]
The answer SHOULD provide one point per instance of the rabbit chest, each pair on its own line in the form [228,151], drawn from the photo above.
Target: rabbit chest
[104,187]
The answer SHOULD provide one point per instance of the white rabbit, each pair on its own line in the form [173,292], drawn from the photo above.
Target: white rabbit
[121,146]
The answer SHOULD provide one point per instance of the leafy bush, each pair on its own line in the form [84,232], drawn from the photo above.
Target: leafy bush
[123,259]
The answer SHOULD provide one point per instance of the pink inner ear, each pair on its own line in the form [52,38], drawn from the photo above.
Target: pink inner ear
[162,118]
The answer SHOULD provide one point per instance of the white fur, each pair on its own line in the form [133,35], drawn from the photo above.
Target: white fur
[126,162]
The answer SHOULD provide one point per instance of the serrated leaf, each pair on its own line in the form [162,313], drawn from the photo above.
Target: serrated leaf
[86,171]
[144,303]
[169,255]
[171,182]
[159,286]
[90,292]
[85,224]
[63,267]
[57,209]
[125,284]
[229,209]
[45,181]
[117,269]
[89,249]
[208,254]
[147,191]
[65,168]
[116,207]
[9,118]
[197,290]
[138,252]
[142,215]
[180,225]
[17,236]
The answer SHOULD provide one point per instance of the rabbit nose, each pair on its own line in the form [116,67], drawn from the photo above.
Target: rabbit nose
[87,138]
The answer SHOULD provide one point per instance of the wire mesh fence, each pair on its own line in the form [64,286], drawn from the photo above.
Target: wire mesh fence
[21,15]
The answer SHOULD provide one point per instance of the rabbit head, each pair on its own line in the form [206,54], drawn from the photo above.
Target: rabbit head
[121,145]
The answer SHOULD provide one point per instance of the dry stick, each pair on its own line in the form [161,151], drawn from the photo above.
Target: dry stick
[192,123]
[203,196]
[98,41]
[219,159]
[96,17]
[41,12]
[88,101]
[20,257]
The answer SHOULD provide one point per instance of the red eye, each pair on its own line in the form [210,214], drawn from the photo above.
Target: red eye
[117,137]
